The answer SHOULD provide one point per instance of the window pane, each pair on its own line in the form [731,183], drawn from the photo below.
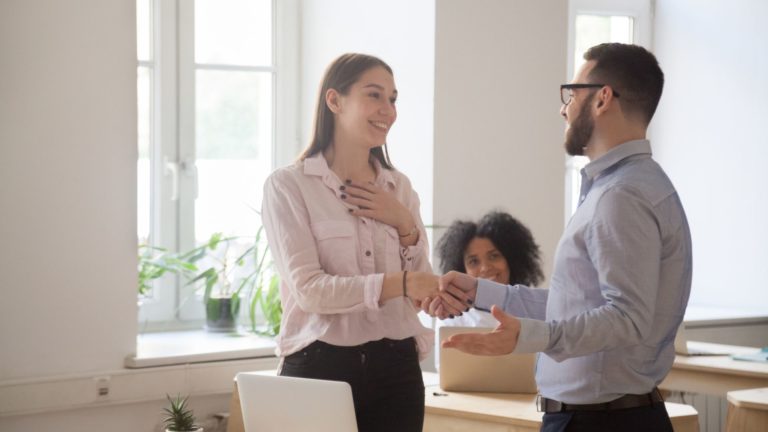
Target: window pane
[596,29]
[591,30]
[233,117]
[234,32]
[229,195]
[144,110]
[143,30]
[233,139]
[144,93]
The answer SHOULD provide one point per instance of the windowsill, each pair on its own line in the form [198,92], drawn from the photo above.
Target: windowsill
[197,346]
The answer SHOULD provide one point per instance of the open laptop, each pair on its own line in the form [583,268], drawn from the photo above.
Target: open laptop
[462,372]
[682,347]
[276,404]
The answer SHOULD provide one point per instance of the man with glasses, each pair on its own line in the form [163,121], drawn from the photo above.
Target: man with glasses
[622,271]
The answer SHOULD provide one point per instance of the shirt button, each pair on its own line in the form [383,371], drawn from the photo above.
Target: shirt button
[367,253]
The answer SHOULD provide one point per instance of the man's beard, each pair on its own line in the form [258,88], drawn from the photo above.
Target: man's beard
[580,132]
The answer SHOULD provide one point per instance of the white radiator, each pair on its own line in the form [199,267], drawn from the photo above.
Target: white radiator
[712,409]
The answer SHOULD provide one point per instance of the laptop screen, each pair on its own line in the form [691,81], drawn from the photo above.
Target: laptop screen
[275,403]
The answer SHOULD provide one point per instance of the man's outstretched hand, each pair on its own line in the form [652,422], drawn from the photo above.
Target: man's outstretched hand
[502,340]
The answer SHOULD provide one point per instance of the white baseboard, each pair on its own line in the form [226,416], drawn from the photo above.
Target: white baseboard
[39,395]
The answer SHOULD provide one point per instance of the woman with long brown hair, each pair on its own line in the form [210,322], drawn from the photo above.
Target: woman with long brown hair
[351,251]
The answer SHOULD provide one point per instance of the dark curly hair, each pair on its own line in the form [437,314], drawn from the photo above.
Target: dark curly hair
[513,239]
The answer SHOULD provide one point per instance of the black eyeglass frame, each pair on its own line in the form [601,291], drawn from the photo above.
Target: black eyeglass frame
[580,86]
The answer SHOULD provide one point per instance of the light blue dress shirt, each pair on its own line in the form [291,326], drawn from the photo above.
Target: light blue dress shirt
[619,289]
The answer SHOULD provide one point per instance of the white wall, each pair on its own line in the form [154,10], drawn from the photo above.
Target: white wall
[709,134]
[142,416]
[67,190]
[67,186]
[498,133]
[400,32]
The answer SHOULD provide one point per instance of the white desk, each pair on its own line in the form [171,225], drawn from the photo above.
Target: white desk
[482,412]
[748,410]
[503,412]
[716,375]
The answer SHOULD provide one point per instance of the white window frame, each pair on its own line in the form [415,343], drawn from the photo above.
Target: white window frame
[642,13]
[173,178]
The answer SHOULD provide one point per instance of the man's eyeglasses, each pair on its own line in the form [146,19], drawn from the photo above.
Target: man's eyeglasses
[566,91]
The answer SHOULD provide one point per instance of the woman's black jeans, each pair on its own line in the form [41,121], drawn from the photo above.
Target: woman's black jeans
[386,380]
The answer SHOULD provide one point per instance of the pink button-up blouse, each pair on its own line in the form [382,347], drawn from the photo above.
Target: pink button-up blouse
[332,264]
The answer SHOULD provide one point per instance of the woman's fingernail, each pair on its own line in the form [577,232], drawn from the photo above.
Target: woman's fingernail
[469,301]
[451,316]
[343,196]
[348,181]
[350,210]
[342,187]
[466,310]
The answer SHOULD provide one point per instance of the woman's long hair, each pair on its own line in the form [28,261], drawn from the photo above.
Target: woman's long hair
[340,76]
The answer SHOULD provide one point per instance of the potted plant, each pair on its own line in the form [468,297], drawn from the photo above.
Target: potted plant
[215,271]
[227,269]
[179,417]
[236,268]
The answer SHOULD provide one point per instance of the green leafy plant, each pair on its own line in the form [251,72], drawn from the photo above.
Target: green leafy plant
[234,267]
[155,262]
[217,273]
[178,416]
[261,285]
[269,302]
[248,275]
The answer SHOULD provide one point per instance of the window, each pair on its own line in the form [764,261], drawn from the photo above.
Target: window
[210,75]
[145,79]
[593,22]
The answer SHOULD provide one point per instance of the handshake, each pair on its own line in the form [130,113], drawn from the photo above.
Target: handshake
[451,295]
[442,297]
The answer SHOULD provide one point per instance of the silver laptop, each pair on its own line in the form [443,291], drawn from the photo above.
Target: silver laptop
[277,404]
[462,372]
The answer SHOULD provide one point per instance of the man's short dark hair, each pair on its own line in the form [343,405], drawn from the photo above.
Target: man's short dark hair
[633,72]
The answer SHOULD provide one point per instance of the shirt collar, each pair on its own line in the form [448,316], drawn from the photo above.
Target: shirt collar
[317,165]
[616,155]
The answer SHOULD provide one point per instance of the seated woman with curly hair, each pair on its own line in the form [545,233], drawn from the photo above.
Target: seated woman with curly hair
[499,248]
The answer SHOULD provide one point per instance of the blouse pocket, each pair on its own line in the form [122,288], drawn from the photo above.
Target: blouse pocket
[392,241]
[336,247]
